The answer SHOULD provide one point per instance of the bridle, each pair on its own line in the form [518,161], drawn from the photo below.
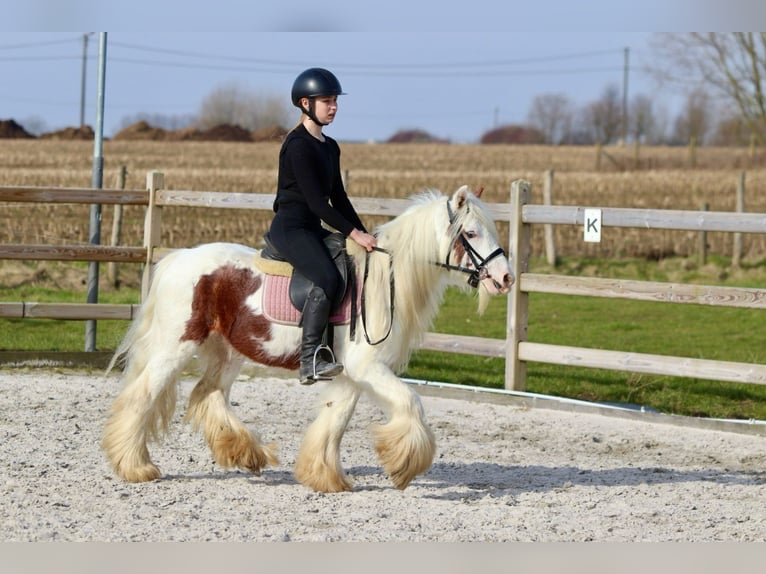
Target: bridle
[479,271]
[475,275]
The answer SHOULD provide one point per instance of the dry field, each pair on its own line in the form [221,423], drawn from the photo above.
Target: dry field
[663,178]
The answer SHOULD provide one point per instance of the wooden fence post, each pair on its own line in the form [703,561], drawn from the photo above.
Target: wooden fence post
[703,240]
[155,180]
[753,142]
[550,245]
[598,156]
[518,301]
[112,271]
[693,151]
[736,258]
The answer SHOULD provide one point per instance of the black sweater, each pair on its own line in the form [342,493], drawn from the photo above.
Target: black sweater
[309,184]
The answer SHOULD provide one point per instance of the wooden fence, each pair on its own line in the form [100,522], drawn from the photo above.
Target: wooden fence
[155,197]
[515,348]
[520,351]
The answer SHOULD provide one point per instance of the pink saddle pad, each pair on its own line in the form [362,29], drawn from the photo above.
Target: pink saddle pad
[279,309]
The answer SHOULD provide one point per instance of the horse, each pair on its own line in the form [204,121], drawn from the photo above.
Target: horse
[205,301]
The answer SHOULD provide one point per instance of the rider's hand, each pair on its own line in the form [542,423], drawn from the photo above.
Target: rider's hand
[364,239]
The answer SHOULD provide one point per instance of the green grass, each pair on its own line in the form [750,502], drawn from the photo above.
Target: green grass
[694,331]
[56,335]
[631,326]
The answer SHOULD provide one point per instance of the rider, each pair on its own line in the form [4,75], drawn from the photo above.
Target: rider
[310,191]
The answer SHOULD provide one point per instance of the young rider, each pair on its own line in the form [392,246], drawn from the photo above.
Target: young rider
[310,191]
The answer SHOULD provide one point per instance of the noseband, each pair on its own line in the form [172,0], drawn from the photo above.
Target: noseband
[479,271]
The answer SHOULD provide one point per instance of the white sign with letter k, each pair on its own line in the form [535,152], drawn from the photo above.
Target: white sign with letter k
[592,227]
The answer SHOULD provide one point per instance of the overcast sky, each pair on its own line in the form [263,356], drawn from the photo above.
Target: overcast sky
[432,75]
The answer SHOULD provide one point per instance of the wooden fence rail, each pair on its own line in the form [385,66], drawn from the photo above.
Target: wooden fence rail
[515,348]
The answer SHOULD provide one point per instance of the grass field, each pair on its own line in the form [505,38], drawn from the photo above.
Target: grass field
[663,178]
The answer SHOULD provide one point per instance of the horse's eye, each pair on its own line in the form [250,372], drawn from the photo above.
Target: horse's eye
[469,234]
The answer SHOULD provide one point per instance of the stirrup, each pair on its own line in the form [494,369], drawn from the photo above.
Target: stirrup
[314,376]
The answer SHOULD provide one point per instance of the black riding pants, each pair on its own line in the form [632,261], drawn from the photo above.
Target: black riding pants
[305,250]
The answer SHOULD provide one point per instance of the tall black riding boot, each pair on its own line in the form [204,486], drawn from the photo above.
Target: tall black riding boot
[317,362]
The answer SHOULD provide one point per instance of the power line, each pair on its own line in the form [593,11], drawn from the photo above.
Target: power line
[368,66]
[569,64]
[27,100]
[37,58]
[36,44]
[476,68]
[374,72]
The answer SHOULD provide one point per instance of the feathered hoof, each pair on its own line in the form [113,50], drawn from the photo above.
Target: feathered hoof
[242,450]
[259,458]
[319,477]
[142,473]
[405,451]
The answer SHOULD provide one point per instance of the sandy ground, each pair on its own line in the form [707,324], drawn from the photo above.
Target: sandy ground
[503,472]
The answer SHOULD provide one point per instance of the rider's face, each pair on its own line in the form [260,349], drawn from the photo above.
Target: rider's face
[325,108]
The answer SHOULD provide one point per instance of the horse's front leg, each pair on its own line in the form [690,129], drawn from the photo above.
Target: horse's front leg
[405,443]
[318,463]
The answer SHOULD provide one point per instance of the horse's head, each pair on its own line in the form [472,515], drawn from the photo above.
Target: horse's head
[474,245]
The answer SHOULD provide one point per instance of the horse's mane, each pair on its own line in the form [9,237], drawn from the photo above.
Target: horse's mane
[416,239]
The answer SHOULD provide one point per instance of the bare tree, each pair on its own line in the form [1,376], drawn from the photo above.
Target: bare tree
[660,124]
[234,105]
[694,120]
[552,115]
[641,119]
[731,130]
[602,119]
[732,64]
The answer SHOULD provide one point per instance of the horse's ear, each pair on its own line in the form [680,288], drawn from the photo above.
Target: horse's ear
[478,192]
[461,196]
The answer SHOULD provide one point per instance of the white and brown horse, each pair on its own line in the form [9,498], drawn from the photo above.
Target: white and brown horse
[207,302]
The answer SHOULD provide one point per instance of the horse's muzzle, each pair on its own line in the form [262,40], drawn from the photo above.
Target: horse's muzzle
[499,287]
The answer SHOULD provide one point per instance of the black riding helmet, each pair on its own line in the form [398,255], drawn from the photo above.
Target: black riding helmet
[313,83]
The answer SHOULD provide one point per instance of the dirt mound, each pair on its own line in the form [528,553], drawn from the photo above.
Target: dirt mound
[9,129]
[141,131]
[269,134]
[81,133]
[414,136]
[220,133]
[513,134]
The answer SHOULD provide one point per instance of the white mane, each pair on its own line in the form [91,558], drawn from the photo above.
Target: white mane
[416,240]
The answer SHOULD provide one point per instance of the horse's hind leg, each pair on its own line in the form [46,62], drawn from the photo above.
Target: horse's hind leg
[318,463]
[142,410]
[232,444]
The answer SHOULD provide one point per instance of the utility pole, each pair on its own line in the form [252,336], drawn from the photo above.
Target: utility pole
[97,180]
[84,70]
[625,98]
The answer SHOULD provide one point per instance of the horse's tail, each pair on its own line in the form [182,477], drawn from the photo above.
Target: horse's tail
[136,342]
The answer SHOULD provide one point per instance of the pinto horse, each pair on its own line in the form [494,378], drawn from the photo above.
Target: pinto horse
[207,302]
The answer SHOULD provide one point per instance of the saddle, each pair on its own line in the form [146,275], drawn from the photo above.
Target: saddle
[300,285]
